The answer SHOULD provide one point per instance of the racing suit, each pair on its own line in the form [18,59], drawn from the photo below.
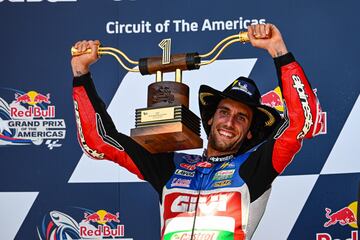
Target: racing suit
[220,197]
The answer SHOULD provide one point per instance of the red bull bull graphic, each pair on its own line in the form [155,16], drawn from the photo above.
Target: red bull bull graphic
[39,98]
[32,98]
[101,217]
[22,98]
[345,217]
[30,119]
[274,99]
[95,225]
[94,217]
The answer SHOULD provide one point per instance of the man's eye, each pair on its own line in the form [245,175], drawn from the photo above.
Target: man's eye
[223,112]
[241,118]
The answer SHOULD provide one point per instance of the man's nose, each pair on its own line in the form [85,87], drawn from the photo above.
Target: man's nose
[230,120]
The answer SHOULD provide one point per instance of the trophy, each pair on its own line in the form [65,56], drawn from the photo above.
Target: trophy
[167,124]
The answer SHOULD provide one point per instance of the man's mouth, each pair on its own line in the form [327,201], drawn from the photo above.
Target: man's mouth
[226,133]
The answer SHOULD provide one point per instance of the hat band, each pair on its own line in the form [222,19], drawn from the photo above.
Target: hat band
[204,95]
[271,120]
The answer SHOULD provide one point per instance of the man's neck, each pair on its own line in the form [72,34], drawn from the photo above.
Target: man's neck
[209,152]
[218,154]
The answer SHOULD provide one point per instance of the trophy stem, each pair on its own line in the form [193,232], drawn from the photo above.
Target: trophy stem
[178,75]
[159,76]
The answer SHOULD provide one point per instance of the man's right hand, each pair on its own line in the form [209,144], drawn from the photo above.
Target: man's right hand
[80,64]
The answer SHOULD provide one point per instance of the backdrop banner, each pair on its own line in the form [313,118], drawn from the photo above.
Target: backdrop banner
[49,189]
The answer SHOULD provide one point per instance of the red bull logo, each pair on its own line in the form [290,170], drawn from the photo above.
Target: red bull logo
[273,99]
[33,112]
[97,225]
[102,217]
[32,98]
[102,231]
[31,119]
[344,217]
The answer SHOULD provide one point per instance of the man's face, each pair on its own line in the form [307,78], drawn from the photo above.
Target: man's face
[229,127]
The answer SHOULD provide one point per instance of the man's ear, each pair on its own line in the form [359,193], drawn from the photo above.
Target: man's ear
[210,121]
[249,135]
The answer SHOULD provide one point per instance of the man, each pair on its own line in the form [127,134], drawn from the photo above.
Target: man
[222,194]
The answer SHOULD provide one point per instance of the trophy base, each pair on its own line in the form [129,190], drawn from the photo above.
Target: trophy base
[167,137]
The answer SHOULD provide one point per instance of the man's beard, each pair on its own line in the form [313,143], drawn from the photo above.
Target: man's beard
[226,147]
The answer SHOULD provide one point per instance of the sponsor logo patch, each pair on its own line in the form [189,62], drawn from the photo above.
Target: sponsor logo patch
[30,119]
[188,166]
[99,224]
[184,173]
[204,165]
[212,203]
[180,182]
[224,174]
[241,86]
[222,183]
[344,217]
[227,165]
[200,235]
[299,86]
[221,159]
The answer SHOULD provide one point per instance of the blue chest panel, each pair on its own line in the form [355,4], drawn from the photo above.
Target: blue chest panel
[193,174]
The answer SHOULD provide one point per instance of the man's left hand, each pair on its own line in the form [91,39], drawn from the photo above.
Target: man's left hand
[268,37]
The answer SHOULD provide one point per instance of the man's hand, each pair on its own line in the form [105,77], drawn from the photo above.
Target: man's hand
[268,37]
[80,64]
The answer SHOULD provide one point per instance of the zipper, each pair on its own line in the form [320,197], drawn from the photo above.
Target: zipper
[196,205]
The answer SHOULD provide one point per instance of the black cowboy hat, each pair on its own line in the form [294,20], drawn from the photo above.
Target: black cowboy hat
[244,90]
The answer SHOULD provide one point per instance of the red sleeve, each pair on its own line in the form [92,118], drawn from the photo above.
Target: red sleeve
[302,110]
[92,136]
[100,140]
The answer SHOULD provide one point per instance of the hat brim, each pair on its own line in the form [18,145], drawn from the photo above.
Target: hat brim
[267,118]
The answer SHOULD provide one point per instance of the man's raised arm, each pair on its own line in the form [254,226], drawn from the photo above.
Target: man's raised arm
[97,133]
[302,108]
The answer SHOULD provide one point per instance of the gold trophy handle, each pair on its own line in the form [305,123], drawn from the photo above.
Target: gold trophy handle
[108,51]
[243,36]
[75,52]
[153,64]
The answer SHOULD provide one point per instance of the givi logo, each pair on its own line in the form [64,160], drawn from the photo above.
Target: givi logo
[187,203]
